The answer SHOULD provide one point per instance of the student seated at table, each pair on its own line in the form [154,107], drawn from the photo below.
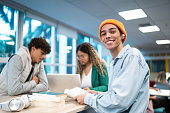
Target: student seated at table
[161,101]
[24,72]
[128,89]
[92,69]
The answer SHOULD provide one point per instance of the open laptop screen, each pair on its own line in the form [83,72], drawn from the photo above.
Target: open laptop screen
[59,82]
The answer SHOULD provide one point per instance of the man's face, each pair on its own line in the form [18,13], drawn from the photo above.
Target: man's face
[110,36]
[37,55]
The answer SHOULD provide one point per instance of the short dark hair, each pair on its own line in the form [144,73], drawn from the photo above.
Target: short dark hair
[40,43]
[120,30]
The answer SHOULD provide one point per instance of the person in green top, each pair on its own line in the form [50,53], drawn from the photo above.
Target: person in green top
[92,69]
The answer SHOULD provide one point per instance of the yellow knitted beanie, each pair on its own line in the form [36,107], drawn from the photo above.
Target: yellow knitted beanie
[115,22]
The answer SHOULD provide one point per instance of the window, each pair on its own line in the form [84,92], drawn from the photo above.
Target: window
[82,39]
[148,62]
[57,52]
[67,54]
[35,28]
[158,65]
[8,29]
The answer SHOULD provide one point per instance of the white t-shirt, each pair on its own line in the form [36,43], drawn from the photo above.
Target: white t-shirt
[86,80]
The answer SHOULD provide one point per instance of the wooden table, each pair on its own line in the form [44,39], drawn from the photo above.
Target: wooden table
[67,106]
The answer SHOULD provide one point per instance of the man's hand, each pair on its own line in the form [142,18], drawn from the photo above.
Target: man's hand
[36,79]
[152,98]
[80,98]
[86,88]
[90,91]
[156,89]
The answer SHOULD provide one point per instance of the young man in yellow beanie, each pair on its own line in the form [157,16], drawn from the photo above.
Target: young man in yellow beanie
[128,90]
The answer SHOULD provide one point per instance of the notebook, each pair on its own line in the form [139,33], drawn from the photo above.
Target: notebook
[159,93]
[59,82]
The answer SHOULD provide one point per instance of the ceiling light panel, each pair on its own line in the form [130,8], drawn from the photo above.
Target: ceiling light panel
[133,14]
[159,42]
[147,29]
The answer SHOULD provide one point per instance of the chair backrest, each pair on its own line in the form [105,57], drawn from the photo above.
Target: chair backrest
[152,83]
[59,82]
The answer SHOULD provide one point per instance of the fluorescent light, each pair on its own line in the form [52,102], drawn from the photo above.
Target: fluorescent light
[133,14]
[10,43]
[147,29]
[5,38]
[162,42]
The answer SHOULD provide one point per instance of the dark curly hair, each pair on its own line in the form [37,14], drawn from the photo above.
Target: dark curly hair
[40,43]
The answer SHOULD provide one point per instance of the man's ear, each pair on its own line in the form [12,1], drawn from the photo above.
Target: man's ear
[33,48]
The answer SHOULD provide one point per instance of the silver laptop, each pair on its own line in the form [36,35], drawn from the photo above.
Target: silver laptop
[59,82]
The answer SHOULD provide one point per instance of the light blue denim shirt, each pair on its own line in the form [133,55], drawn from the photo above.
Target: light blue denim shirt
[128,90]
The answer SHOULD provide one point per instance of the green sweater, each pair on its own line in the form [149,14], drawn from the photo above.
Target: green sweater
[99,81]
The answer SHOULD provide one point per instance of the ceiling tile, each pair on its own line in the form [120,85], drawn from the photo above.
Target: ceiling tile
[151,3]
[158,12]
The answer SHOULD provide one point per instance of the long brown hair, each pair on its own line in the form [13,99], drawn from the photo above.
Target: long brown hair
[94,58]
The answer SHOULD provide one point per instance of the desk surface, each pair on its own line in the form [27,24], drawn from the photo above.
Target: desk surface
[69,106]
